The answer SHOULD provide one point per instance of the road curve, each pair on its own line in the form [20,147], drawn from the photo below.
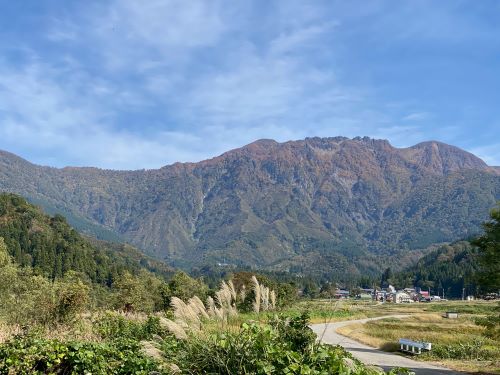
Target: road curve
[327,332]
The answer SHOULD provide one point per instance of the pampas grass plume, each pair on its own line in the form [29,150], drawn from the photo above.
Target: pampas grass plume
[256,290]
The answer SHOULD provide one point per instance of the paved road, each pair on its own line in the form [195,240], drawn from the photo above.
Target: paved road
[368,355]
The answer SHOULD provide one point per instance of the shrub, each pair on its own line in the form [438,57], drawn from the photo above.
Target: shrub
[285,346]
[182,286]
[491,323]
[472,350]
[295,331]
[28,355]
[72,297]
[113,326]
[131,294]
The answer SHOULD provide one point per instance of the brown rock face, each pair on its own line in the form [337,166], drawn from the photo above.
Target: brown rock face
[319,204]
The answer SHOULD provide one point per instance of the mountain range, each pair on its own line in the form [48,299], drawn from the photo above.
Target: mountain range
[325,205]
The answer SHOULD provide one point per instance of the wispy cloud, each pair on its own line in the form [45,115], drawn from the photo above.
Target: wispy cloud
[123,84]
[402,136]
[489,153]
[416,116]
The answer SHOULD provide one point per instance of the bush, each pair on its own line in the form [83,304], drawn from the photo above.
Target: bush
[72,297]
[113,326]
[491,323]
[28,355]
[285,346]
[183,286]
[295,331]
[472,350]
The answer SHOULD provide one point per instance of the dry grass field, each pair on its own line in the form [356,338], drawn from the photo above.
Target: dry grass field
[460,343]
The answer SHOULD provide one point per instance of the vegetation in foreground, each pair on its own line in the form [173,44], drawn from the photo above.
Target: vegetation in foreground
[51,327]
[126,346]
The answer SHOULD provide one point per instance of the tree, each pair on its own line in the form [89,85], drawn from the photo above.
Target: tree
[311,288]
[183,286]
[4,254]
[328,290]
[154,288]
[386,278]
[354,292]
[488,275]
[72,297]
[8,273]
[131,295]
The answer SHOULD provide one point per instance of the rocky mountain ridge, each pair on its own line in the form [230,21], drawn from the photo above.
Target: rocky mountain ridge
[319,204]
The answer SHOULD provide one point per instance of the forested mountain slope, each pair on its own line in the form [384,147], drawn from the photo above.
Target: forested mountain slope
[450,268]
[322,204]
[52,247]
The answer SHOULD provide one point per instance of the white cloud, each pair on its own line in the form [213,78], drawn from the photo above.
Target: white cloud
[416,116]
[40,112]
[157,34]
[277,85]
[291,41]
[164,24]
[489,153]
[62,30]
[144,84]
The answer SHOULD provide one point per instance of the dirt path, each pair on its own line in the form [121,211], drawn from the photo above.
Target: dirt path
[368,355]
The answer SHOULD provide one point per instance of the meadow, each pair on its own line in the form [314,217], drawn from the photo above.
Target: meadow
[461,344]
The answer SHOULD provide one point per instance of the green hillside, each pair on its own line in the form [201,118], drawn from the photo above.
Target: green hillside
[52,247]
[450,268]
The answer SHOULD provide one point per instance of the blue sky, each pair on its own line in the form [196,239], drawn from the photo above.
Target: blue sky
[132,84]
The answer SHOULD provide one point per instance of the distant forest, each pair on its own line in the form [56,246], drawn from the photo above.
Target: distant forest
[450,270]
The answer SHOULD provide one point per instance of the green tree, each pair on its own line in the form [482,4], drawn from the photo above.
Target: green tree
[386,278]
[72,297]
[311,289]
[131,295]
[8,275]
[154,288]
[26,298]
[4,254]
[183,286]
[488,275]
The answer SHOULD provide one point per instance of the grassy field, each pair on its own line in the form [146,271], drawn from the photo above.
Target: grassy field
[339,310]
[322,311]
[457,343]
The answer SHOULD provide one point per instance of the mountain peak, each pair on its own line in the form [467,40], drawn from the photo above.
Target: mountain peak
[443,158]
[290,206]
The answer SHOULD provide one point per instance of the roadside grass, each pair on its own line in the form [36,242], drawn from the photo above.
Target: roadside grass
[457,343]
[324,311]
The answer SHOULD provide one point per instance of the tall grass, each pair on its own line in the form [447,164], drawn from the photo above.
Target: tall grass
[189,316]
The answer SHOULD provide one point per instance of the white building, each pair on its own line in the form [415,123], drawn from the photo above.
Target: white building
[402,297]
